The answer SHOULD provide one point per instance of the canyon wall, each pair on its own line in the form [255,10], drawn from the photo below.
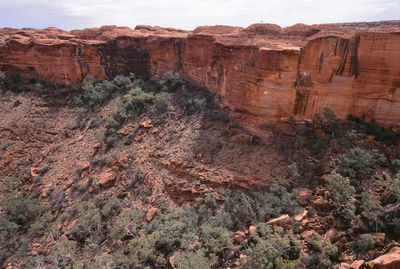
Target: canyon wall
[264,70]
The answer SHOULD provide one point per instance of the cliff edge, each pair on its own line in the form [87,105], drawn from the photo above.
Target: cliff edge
[265,70]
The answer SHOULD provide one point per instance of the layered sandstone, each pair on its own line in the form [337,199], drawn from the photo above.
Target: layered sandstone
[352,68]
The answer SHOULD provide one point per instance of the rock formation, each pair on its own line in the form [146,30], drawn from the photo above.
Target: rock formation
[265,70]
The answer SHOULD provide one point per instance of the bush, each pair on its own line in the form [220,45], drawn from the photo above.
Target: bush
[63,254]
[382,134]
[171,81]
[143,251]
[217,241]
[360,164]
[8,237]
[161,101]
[39,227]
[322,252]
[88,226]
[171,228]
[240,209]
[12,183]
[22,210]
[272,247]
[192,260]
[127,225]
[111,208]
[396,165]
[362,244]
[340,194]
[371,209]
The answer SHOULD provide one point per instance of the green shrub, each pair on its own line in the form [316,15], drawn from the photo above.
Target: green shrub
[171,228]
[362,244]
[239,207]
[340,194]
[111,208]
[272,247]
[143,251]
[205,208]
[216,241]
[128,225]
[192,260]
[322,252]
[12,183]
[22,210]
[360,164]
[3,78]
[88,226]
[171,81]
[63,254]
[39,227]
[396,165]
[8,237]
[382,134]
[371,209]
[161,101]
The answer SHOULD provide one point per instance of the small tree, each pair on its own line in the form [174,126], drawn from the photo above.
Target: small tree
[359,164]
[272,247]
[340,194]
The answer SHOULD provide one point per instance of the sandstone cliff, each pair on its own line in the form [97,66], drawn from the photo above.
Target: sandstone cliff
[265,70]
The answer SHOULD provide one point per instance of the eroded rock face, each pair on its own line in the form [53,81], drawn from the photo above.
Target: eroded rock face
[268,71]
[391,260]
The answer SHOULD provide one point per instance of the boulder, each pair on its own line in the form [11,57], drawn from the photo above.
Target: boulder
[252,229]
[379,239]
[359,264]
[239,237]
[150,214]
[107,178]
[344,265]
[307,234]
[390,260]
[284,221]
[300,216]
[321,204]
[333,235]
[83,164]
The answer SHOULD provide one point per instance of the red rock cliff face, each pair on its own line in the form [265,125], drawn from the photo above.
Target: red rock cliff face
[264,70]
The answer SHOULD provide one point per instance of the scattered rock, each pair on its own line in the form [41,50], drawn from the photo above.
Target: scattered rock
[83,164]
[388,197]
[96,148]
[304,196]
[344,258]
[379,239]
[321,204]
[284,221]
[252,229]
[390,260]
[172,261]
[150,214]
[107,178]
[300,216]
[323,169]
[146,124]
[126,130]
[307,234]
[333,235]
[35,171]
[344,265]
[359,264]
[239,237]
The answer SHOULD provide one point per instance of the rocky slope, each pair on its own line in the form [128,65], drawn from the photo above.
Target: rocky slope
[268,71]
[132,173]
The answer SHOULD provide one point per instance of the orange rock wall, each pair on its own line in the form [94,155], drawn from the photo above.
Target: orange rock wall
[272,76]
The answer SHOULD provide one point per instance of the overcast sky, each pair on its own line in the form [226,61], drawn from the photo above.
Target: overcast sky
[187,14]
